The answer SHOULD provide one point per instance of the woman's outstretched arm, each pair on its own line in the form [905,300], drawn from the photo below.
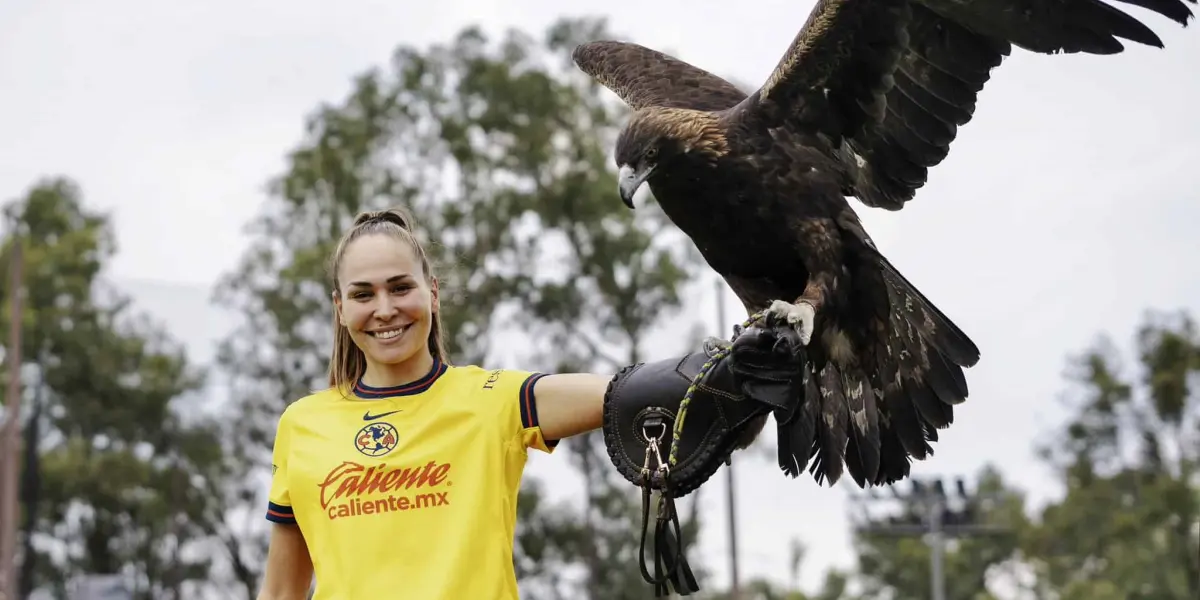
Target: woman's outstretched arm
[570,403]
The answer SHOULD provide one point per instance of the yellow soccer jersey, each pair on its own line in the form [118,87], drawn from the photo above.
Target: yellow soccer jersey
[409,492]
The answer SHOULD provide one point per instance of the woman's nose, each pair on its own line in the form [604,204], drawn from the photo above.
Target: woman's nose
[385,306]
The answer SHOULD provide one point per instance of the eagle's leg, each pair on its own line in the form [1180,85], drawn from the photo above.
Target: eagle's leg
[803,312]
[799,315]
[818,245]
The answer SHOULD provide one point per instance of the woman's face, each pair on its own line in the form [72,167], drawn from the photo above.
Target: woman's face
[385,302]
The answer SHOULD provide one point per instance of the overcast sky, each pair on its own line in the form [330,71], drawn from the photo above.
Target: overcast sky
[1066,208]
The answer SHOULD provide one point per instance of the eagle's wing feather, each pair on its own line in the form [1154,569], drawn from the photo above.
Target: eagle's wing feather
[888,83]
[936,83]
[835,73]
[643,77]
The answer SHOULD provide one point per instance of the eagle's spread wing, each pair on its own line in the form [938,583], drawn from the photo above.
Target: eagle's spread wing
[644,77]
[895,79]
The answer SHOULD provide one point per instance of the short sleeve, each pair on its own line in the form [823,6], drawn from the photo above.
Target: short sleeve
[279,501]
[517,389]
[531,429]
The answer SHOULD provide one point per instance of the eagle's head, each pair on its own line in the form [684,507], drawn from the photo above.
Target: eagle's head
[656,138]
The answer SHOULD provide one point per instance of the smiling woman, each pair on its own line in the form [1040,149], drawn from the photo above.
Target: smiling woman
[385,294]
[404,473]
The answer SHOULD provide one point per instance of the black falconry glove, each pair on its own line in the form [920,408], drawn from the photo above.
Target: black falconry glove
[759,373]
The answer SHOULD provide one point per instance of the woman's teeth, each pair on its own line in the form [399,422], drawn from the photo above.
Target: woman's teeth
[385,335]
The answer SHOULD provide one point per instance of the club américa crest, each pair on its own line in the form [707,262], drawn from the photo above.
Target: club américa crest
[376,439]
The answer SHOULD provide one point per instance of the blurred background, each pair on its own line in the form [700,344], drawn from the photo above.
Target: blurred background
[175,174]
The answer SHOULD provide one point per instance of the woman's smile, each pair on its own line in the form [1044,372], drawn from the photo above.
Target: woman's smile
[389,335]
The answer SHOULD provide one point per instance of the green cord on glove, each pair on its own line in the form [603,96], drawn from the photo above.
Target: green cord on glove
[677,431]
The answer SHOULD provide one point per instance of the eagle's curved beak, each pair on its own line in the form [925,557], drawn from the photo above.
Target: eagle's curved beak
[629,180]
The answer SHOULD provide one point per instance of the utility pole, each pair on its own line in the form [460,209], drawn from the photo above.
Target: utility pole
[937,546]
[10,440]
[734,587]
[938,517]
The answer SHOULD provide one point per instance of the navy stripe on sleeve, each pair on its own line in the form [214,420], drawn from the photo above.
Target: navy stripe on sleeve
[529,417]
[278,513]
[528,402]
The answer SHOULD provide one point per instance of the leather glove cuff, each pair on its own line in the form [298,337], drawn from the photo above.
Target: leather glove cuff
[758,373]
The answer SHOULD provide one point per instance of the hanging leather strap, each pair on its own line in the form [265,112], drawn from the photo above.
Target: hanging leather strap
[669,552]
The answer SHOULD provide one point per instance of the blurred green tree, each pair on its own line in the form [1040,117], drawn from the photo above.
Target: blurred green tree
[116,480]
[1128,524]
[500,149]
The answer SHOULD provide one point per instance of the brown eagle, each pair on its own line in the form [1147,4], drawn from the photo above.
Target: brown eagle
[867,98]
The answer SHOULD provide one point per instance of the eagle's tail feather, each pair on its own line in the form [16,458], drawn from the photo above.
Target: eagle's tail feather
[862,452]
[934,326]
[882,407]
[932,352]
[833,433]
[895,463]
[872,442]
[797,437]
[924,374]
[838,427]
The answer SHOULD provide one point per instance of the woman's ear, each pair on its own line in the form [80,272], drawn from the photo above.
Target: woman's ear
[337,307]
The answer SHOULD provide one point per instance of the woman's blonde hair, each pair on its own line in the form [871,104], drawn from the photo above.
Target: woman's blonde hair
[347,362]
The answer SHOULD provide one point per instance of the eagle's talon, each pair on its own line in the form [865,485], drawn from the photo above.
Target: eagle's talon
[799,315]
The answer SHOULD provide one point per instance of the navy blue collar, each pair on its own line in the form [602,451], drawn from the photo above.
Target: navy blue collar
[363,390]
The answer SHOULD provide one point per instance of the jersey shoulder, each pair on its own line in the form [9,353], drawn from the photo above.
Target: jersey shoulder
[509,392]
[482,383]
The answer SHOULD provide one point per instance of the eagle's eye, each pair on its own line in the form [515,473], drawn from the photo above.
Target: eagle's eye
[651,153]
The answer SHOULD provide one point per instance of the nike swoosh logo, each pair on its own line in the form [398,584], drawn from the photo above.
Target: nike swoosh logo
[371,417]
